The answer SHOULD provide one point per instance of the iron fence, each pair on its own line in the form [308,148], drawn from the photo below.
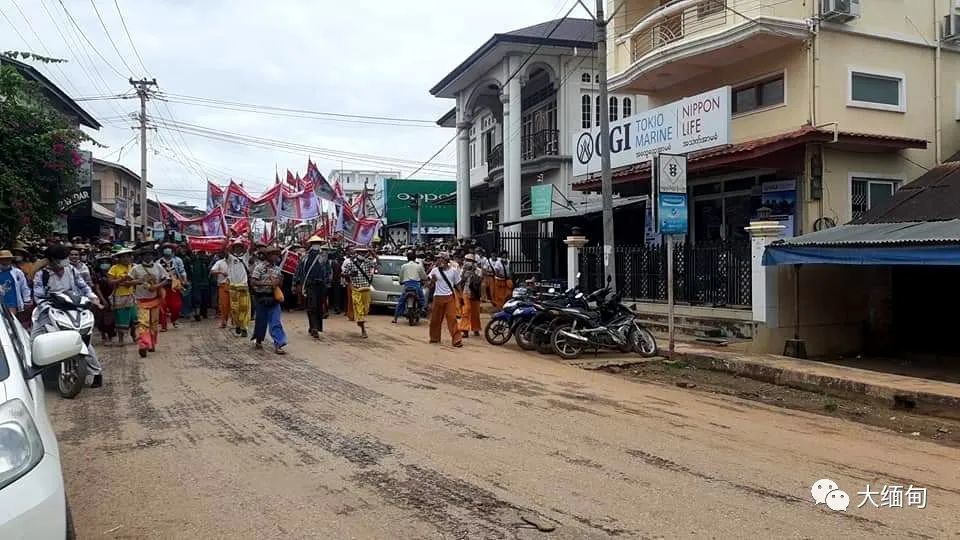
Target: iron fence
[531,254]
[717,275]
[545,142]
[495,157]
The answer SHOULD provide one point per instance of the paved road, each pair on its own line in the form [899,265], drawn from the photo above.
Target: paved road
[393,438]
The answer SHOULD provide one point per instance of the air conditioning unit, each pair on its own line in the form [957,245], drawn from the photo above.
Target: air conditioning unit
[840,11]
[951,28]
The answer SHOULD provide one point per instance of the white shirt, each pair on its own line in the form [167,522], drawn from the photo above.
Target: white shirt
[220,268]
[150,276]
[441,285]
[236,269]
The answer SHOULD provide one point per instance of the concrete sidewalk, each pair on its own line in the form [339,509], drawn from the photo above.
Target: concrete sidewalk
[924,396]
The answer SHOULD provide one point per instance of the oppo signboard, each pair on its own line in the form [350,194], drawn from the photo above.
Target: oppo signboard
[690,124]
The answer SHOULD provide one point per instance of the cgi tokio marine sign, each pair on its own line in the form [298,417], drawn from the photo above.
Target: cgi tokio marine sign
[690,124]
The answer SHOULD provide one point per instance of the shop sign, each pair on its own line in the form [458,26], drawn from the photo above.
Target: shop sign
[690,124]
[75,202]
[541,200]
[673,213]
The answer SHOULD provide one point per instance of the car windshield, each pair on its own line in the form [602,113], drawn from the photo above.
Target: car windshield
[390,267]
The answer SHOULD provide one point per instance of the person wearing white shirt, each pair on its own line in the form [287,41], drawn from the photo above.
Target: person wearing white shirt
[239,287]
[444,279]
[221,271]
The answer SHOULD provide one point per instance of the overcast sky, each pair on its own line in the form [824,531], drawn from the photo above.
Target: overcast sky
[369,57]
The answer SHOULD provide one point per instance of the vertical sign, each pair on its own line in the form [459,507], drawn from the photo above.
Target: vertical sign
[671,194]
[541,200]
[671,180]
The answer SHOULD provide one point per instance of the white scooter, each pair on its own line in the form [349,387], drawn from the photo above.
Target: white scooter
[68,311]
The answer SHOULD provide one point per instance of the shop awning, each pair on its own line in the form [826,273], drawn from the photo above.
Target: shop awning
[577,210]
[910,243]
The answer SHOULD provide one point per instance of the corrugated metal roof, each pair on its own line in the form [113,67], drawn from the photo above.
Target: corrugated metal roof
[935,196]
[907,233]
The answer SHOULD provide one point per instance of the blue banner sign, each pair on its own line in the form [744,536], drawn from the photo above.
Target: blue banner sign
[672,213]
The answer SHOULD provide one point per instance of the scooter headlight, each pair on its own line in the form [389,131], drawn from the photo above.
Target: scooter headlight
[86,318]
[20,445]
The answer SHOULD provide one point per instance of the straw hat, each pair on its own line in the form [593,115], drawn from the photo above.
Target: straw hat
[5,254]
[315,239]
[266,250]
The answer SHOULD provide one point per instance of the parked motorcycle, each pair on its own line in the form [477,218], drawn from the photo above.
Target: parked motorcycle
[537,332]
[499,328]
[611,326]
[68,311]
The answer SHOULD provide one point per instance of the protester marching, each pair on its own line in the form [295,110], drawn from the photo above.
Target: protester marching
[250,260]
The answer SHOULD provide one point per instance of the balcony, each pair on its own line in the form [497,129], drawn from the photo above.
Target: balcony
[685,39]
[539,151]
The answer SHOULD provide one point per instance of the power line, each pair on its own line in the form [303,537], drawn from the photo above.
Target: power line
[203,130]
[185,98]
[110,38]
[73,46]
[294,115]
[130,39]
[92,46]
[43,46]
[434,156]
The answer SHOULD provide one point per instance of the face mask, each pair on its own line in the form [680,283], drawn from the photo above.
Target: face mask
[167,252]
[105,266]
[4,267]
[314,248]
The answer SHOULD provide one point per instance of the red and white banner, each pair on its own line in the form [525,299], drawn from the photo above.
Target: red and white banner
[240,227]
[266,206]
[170,217]
[365,230]
[211,224]
[237,201]
[209,244]
[301,206]
[214,196]
[321,187]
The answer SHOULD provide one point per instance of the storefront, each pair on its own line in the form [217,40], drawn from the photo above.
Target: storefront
[436,218]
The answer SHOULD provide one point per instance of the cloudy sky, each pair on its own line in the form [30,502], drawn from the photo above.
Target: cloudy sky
[370,57]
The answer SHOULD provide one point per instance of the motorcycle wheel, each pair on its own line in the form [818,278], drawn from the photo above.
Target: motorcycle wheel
[524,335]
[413,314]
[497,332]
[643,342]
[565,347]
[70,381]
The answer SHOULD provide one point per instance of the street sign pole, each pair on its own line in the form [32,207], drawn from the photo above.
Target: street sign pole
[671,188]
[671,328]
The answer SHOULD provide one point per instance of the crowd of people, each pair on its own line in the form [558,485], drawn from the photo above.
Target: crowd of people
[143,290]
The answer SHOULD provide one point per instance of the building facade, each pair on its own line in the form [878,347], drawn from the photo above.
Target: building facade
[354,182]
[115,195]
[840,103]
[517,97]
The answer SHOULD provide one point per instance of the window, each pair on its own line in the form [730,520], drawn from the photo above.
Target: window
[116,189]
[874,91]
[95,189]
[596,78]
[599,108]
[473,154]
[585,111]
[867,193]
[758,95]
[627,107]
[706,8]
[585,78]
[614,109]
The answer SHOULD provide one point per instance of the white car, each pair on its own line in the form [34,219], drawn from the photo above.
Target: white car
[32,499]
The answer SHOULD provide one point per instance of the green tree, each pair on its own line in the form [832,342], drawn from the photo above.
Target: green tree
[39,158]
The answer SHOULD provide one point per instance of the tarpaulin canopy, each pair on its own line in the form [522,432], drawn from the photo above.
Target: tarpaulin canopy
[934,255]
[906,243]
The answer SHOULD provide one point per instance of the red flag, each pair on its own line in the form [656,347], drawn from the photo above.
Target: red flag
[276,178]
[237,201]
[299,182]
[240,227]
[214,196]
[212,224]
[291,179]
[321,187]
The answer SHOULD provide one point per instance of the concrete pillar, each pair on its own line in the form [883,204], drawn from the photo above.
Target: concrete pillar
[765,292]
[505,207]
[463,179]
[511,175]
[574,242]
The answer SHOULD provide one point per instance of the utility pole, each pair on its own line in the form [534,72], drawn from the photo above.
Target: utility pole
[142,86]
[606,180]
